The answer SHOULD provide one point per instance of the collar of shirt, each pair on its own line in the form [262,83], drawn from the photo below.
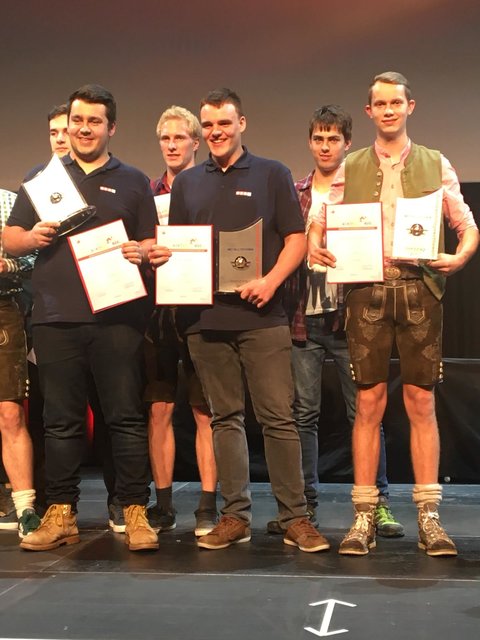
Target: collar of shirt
[160,186]
[383,154]
[243,162]
[112,163]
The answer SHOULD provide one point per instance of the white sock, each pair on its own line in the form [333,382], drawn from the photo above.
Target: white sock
[23,500]
[423,493]
[364,494]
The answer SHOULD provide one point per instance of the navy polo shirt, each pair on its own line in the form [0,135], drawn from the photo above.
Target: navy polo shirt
[251,188]
[118,191]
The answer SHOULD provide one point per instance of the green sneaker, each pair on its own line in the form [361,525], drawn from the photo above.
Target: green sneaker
[385,523]
[28,523]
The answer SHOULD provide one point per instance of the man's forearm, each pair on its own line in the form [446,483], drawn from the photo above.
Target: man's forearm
[18,241]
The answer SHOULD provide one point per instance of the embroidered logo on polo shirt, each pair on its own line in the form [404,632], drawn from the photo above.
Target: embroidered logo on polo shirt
[244,193]
[109,189]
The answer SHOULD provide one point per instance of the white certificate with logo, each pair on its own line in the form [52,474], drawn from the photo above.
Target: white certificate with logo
[187,278]
[417,227]
[162,205]
[107,277]
[354,234]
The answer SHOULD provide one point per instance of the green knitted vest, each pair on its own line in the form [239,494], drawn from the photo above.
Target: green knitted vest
[421,175]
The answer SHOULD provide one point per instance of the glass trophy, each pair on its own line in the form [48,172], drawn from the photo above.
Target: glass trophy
[239,257]
[56,198]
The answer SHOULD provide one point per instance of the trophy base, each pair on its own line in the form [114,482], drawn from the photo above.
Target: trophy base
[75,220]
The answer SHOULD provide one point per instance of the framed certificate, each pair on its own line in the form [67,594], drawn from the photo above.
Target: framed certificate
[417,227]
[239,257]
[187,277]
[354,234]
[108,278]
[56,198]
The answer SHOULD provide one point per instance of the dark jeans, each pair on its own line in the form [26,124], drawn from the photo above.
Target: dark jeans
[114,355]
[262,357]
[308,360]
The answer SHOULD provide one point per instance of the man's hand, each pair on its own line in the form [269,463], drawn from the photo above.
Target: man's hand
[132,251]
[43,234]
[320,256]
[158,255]
[258,292]
[3,266]
[447,263]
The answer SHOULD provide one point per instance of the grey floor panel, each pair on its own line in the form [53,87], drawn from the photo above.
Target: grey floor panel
[259,590]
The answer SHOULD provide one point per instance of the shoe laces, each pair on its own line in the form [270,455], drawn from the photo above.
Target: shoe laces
[361,525]
[227,522]
[430,523]
[135,514]
[383,513]
[305,527]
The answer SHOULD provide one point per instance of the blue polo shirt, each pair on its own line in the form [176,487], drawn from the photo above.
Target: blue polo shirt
[118,191]
[251,188]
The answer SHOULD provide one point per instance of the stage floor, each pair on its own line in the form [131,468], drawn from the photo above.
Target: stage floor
[262,590]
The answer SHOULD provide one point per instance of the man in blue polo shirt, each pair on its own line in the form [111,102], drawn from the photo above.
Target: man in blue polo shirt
[69,340]
[245,335]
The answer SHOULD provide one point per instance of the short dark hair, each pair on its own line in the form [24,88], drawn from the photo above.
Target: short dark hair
[331,115]
[390,77]
[219,97]
[60,110]
[95,94]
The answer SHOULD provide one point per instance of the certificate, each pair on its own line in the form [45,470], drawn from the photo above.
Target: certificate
[239,257]
[55,197]
[417,227]
[107,277]
[187,277]
[354,234]
[162,205]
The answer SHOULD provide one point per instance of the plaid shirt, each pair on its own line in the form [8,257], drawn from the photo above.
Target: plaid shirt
[297,285]
[11,282]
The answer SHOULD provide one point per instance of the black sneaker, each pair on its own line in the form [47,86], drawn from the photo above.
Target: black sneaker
[161,519]
[9,522]
[28,522]
[205,521]
[116,519]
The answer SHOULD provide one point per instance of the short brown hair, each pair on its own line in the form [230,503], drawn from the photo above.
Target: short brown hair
[390,77]
[219,97]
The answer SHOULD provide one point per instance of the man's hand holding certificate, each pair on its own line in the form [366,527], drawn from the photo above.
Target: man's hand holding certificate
[354,236]
[109,278]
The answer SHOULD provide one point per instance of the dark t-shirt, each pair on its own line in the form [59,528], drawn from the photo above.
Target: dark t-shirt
[118,191]
[251,188]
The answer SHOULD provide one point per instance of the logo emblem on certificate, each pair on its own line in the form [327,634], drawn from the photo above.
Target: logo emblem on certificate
[239,257]
[55,197]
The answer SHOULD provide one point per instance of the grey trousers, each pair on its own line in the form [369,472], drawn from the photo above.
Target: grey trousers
[225,361]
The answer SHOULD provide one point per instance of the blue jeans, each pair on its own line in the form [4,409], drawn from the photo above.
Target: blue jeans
[66,353]
[308,360]
[227,361]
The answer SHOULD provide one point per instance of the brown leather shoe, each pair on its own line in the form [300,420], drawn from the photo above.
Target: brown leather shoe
[139,535]
[228,531]
[58,526]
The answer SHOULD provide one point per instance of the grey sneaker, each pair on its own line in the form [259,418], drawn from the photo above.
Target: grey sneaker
[28,522]
[228,531]
[432,537]
[385,523]
[161,519]
[116,518]
[302,534]
[205,521]
[361,537]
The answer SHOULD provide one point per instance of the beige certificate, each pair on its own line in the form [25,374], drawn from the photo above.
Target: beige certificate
[354,236]
[187,278]
[108,278]
[417,227]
